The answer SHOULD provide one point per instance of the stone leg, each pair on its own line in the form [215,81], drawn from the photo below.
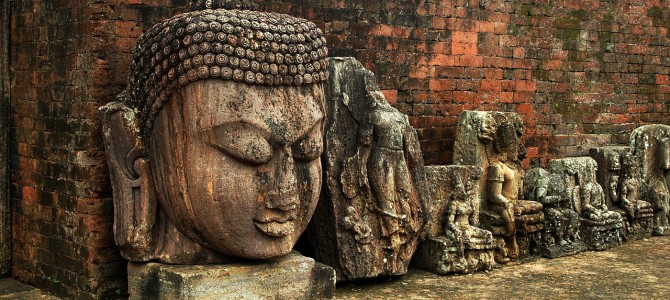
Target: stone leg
[290,277]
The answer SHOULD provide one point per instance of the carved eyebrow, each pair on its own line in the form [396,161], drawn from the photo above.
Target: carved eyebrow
[239,125]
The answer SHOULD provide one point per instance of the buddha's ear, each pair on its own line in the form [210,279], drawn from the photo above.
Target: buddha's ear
[121,136]
[135,201]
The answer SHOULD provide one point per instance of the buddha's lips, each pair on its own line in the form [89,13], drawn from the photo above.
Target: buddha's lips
[276,222]
[274,228]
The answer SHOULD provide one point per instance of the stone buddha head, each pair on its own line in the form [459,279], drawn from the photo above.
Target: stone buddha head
[223,117]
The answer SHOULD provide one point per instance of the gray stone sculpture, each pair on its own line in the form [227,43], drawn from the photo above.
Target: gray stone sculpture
[618,174]
[491,140]
[455,243]
[651,147]
[214,147]
[372,212]
[560,236]
[601,228]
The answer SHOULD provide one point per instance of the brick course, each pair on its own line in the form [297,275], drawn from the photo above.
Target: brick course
[581,73]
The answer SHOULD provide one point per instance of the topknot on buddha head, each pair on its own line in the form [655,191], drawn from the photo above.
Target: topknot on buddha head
[250,47]
[225,4]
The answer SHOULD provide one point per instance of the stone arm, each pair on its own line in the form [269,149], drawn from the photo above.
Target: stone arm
[365,138]
[411,144]
[613,189]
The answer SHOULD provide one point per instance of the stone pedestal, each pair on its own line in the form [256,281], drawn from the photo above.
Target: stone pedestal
[290,277]
[441,255]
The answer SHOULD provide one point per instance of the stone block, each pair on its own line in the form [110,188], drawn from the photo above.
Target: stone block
[290,277]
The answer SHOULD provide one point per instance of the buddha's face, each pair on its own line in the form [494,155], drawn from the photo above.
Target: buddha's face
[237,166]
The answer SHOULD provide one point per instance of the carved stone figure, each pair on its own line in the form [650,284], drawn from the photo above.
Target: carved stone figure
[651,147]
[560,236]
[454,243]
[369,221]
[601,228]
[214,146]
[618,174]
[491,140]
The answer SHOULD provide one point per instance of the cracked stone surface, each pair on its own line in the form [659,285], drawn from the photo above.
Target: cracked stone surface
[636,270]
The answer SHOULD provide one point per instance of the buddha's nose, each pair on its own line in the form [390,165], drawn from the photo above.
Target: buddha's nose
[284,194]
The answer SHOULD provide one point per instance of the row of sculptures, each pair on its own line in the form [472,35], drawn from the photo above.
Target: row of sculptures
[235,124]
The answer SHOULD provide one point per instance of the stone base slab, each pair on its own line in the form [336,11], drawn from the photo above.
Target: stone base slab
[290,277]
[440,256]
[554,251]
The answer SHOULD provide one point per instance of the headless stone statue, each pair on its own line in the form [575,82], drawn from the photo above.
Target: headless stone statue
[371,216]
[560,236]
[651,147]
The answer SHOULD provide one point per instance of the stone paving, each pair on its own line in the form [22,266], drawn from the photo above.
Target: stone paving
[636,270]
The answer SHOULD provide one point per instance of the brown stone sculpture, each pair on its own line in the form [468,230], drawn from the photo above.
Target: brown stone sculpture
[214,146]
[651,147]
[491,140]
[369,219]
[601,228]
[454,243]
[618,174]
[560,236]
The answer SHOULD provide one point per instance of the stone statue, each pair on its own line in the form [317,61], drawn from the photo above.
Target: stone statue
[618,174]
[455,244]
[658,192]
[651,147]
[491,140]
[601,228]
[214,146]
[561,232]
[369,222]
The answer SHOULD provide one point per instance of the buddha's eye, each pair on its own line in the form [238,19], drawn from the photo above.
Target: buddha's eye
[239,140]
[310,146]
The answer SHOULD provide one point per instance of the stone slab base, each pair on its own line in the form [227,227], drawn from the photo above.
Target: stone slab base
[290,277]
[599,239]
[440,256]
[638,230]
[554,251]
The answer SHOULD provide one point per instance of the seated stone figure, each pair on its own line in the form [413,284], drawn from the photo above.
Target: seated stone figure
[454,244]
[651,147]
[214,147]
[601,228]
[492,140]
[618,174]
[561,232]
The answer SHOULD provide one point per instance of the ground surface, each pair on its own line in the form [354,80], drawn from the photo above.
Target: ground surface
[636,270]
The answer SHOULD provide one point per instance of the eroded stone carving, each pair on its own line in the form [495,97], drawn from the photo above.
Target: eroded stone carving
[601,228]
[618,174]
[491,140]
[651,147]
[560,236]
[370,217]
[454,243]
[214,146]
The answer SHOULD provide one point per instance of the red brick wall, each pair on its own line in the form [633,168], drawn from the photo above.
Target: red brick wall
[67,59]
[581,73]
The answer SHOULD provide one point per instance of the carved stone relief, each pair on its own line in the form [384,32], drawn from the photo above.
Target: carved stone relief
[492,141]
[560,236]
[651,147]
[372,211]
[619,175]
[455,243]
[601,228]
